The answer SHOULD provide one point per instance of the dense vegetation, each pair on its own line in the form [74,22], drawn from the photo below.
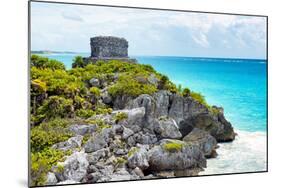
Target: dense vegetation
[60,97]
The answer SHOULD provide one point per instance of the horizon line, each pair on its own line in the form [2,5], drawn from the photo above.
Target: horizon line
[139,55]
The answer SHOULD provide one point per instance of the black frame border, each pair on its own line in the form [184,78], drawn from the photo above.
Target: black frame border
[144,8]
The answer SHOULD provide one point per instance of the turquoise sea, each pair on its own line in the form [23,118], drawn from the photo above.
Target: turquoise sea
[238,85]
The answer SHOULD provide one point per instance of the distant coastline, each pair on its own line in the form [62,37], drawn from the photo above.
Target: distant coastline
[51,52]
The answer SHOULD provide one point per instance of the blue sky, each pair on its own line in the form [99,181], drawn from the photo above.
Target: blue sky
[62,27]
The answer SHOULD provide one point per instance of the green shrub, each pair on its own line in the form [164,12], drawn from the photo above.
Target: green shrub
[199,98]
[47,135]
[85,113]
[186,92]
[44,62]
[59,82]
[119,161]
[95,91]
[86,137]
[103,110]
[56,106]
[120,116]
[173,146]
[78,62]
[128,85]
[42,162]
[38,86]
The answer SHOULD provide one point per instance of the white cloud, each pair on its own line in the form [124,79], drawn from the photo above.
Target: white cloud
[69,26]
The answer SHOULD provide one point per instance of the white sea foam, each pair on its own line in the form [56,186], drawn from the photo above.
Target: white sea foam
[247,153]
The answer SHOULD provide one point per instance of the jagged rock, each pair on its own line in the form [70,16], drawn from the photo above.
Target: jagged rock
[118,129]
[122,174]
[180,156]
[147,102]
[138,172]
[119,102]
[120,152]
[71,143]
[82,129]
[217,126]
[144,138]
[185,127]
[97,155]
[106,98]
[139,158]
[51,179]
[131,141]
[75,166]
[134,119]
[94,82]
[167,128]
[93,177]
[92,169]
[162,99]
[127,133]
[206,142]
[99,140]
[176,110]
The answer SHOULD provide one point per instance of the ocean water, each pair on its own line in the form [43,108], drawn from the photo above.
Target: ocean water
[238,85]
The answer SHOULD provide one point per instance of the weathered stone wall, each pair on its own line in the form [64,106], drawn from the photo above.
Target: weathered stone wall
[107,46]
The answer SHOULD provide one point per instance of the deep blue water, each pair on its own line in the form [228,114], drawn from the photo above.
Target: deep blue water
[238,85]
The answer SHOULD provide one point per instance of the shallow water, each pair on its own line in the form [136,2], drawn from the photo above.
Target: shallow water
[246,154]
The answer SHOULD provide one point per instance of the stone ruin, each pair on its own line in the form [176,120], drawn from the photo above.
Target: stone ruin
[109,48]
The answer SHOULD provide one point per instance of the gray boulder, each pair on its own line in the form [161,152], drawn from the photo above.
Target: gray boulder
[148,103]
[82,129]
[175,155]
[120,101]
[71,143]
[94,157]
[134,119]
[99,140]
[162,100]
[95,82]
[138,157]
[176,110]
[167,128]
[122,174]
[206,142]
[75,166]
[127,133]
[144,138]
[51,179]
[216,125]
[106,98]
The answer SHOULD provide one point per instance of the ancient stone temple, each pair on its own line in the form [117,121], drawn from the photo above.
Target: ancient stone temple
[109,47]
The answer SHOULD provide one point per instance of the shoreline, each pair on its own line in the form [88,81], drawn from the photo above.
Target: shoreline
[247,153]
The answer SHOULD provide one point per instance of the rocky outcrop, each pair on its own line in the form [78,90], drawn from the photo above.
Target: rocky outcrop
[71,143]
[187,113]
[204,140]
[99,140]
[74,168]
[175,155]
[150,136]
